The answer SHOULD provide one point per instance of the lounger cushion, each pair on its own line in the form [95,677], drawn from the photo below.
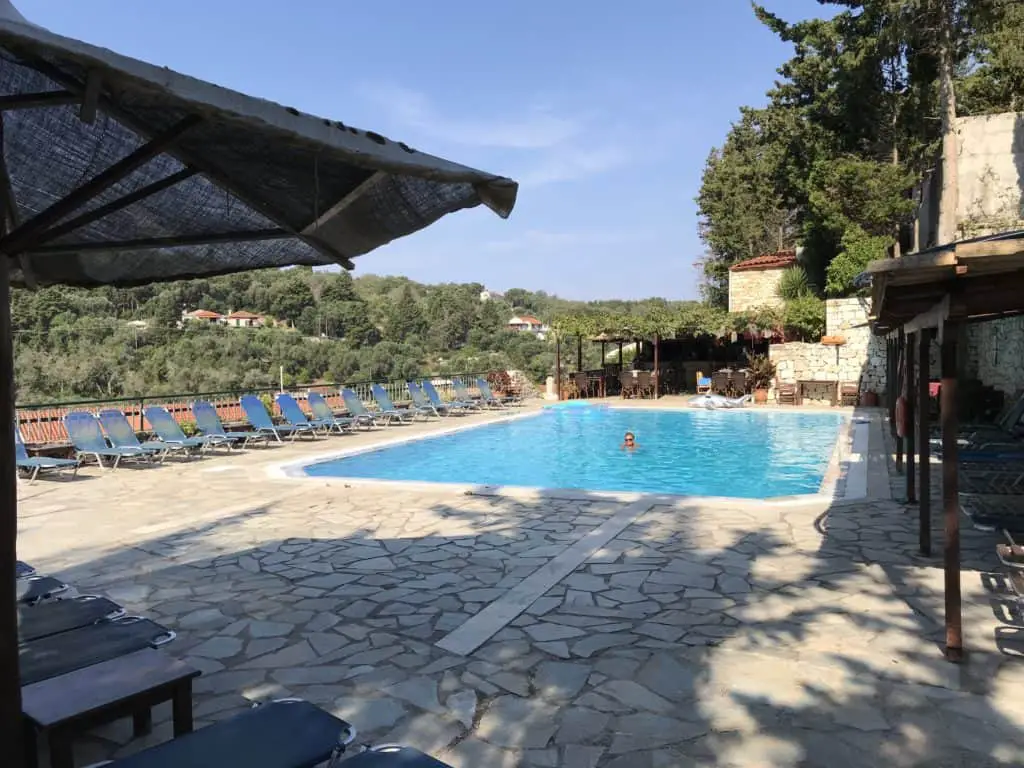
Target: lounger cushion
[79,648]
[292,734]
[37,588]
[400,758]
[38,621]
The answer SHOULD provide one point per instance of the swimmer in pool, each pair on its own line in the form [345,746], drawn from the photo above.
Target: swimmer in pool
[629,442]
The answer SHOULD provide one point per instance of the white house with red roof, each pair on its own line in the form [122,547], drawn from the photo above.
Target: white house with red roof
[243,319]
[755,282]
[528,324]
[203,316]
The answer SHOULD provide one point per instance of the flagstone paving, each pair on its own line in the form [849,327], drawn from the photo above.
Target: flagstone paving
[710,634]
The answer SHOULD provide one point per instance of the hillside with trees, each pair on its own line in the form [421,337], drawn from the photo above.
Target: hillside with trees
[83,344]
[859,114]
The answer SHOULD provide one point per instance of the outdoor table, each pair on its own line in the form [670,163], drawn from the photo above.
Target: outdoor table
[63,707]
[834,385]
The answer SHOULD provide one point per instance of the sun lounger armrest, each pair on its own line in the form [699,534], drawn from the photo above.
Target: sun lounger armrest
[393,756]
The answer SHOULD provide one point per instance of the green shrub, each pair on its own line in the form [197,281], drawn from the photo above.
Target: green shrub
[803,319]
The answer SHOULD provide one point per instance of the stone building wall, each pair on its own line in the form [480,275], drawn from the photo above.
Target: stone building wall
[995,354]
[861,359]
[753,288]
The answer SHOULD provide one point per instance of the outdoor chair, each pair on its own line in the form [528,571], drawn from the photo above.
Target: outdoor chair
[322,411]
[582,384]
[721,382]
[297,420]
[287,733]
[209,425]
[87,439]
[386,408]
[628,384]
[849,393]
[462,393]
[487,396]
[31,590]
[420,403]
[168,430]
[23,570]
[122,435]
[259,419]
[703,383]
[452,406]
[36,464]
[644,384]
[785,393]
[361,416]
[739,384]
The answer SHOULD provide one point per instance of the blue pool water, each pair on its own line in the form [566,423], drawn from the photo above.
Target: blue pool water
[694,452]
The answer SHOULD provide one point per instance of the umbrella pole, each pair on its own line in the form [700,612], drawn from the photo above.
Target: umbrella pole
[11,728]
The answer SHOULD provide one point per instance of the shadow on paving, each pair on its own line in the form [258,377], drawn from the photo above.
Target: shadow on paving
[714,636]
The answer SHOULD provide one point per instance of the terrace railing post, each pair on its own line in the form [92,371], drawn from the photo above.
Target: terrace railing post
[910,388]
[141,405]
[899,387]
[924,444]
[950,494]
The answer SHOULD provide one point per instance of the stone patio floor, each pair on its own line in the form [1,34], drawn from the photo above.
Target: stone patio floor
[699,634]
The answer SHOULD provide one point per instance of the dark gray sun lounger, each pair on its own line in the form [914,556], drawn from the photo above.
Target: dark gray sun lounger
[290,733]
[34,589]
[23,570]
[69,651]
[392,757]
[38,621]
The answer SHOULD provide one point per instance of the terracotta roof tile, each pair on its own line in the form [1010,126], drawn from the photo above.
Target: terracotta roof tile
[766,261]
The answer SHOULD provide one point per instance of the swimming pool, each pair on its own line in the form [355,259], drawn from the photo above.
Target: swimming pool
[742,454]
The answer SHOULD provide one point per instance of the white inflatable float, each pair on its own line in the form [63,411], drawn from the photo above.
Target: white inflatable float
[712,402]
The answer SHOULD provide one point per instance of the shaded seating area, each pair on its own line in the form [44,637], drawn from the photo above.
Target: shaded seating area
[930,296]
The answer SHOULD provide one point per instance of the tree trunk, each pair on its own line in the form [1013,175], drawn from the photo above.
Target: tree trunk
[950,192]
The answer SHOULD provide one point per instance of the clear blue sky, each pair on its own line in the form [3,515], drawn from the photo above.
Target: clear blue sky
[603,111]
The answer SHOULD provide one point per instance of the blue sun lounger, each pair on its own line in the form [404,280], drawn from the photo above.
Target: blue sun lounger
[122,435]
[420,403]
[297,420]
[456,406]
[257,416]
[168,430]
[35,464]
[323,413]
[490,397]
[462,393]
[387,411]
[209,425]
[87,439]
[361,416]
[287,733]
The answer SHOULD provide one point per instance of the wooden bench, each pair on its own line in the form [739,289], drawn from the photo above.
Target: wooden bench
[63,707]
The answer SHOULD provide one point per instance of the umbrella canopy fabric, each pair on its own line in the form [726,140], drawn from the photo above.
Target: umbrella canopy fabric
[121,172]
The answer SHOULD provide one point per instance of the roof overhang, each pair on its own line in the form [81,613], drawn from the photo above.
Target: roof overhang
[968,281]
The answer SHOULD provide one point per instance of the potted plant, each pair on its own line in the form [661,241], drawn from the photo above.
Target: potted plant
[762,371]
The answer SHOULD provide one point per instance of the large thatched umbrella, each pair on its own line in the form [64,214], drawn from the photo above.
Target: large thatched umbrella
[116,172]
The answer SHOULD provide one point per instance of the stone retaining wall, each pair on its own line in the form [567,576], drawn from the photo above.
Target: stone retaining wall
[860,359]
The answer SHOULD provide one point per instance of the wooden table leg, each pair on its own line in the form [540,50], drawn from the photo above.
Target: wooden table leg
[142,722]
[62,752]
[181,705]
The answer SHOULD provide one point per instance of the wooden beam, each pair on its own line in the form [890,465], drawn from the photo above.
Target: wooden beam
[951,499]
[24,236]
[353,195]
[113,206]
[924,511]
[91,96]
[152,243]
[989,248]
[932,318]
[37,100]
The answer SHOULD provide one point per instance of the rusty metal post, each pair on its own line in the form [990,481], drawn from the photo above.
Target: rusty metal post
[558,365]
[950,496]
[924,445]
[657,373]
[910,388]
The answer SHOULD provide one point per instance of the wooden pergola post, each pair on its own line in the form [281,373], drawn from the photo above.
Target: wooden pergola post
[890,383]
[579,353]
[898,390]
[924,510]
[950,494]
[558,365]
[910,388]
[657,373]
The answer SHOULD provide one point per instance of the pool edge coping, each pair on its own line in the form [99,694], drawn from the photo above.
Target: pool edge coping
[846,464]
